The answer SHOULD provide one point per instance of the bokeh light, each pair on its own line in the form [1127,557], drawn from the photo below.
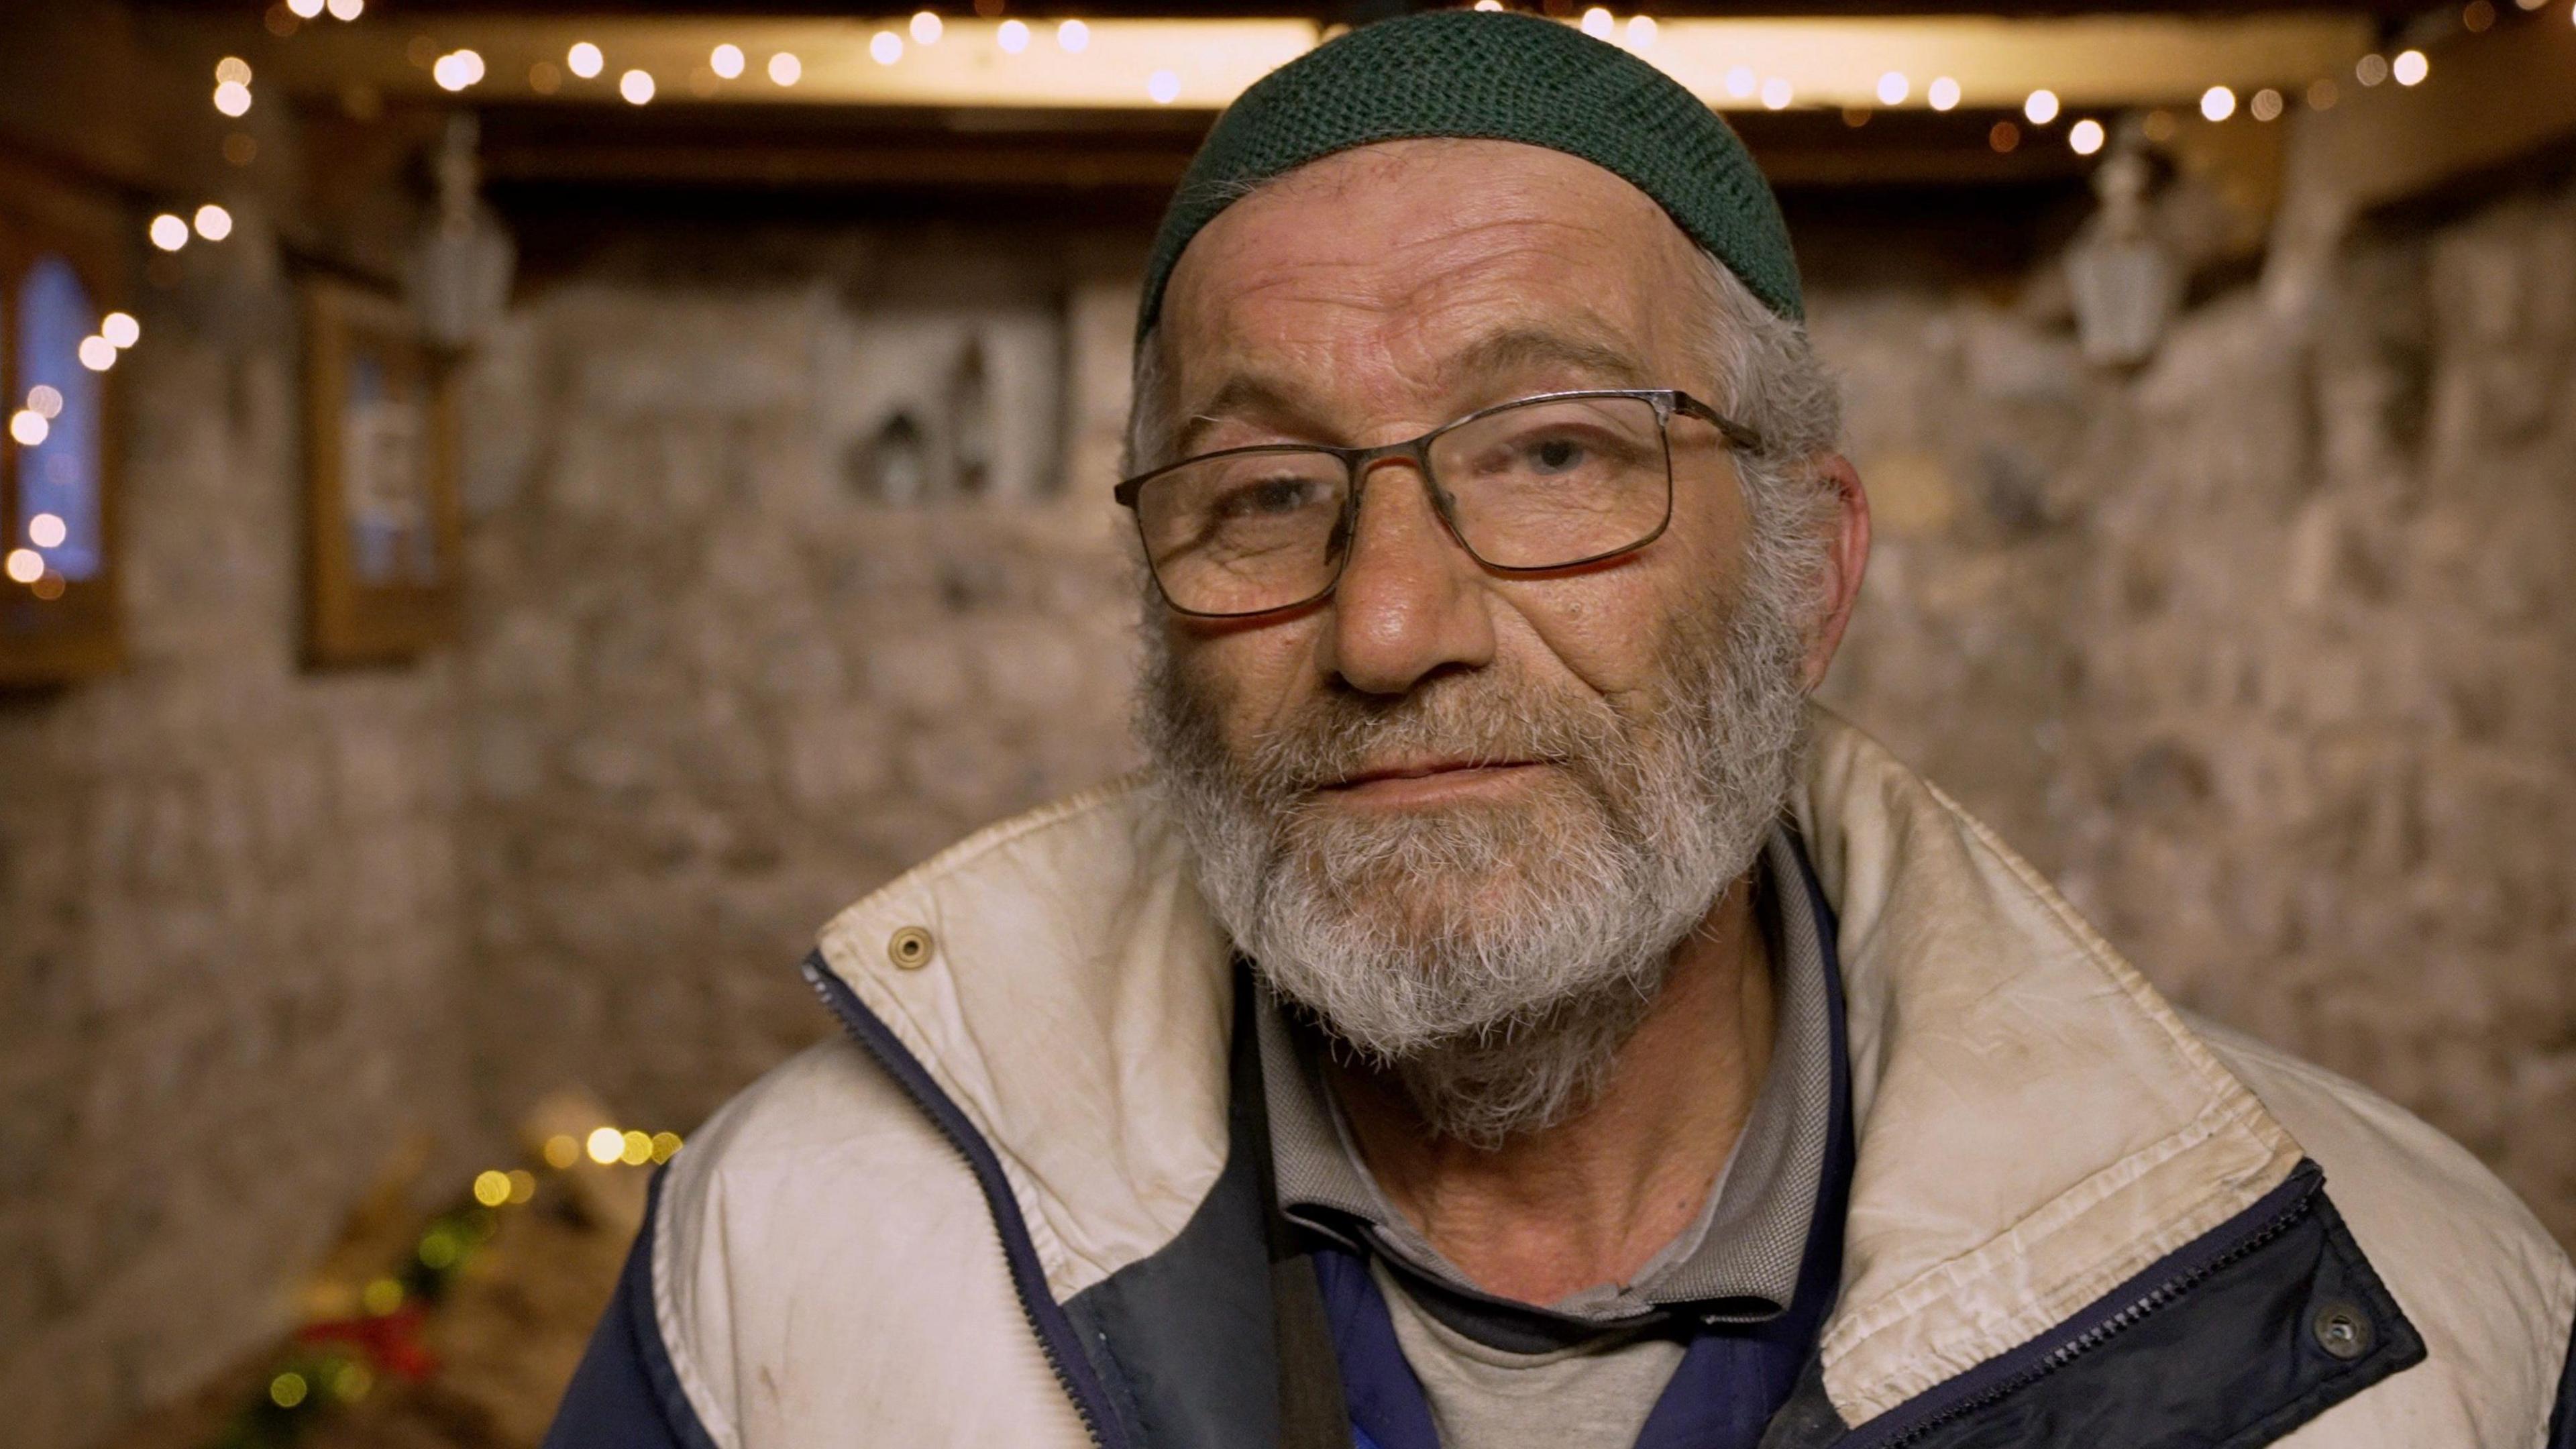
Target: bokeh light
[584,60]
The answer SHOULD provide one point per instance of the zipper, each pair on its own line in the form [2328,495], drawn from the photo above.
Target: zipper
[1045,1317]
[2275,1213]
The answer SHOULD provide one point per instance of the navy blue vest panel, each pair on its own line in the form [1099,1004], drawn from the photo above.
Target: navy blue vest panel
[625,1394]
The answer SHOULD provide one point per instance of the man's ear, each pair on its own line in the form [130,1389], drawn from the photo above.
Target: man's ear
[1846,559]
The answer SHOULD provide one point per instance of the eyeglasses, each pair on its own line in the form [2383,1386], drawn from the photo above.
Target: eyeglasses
[1539,483]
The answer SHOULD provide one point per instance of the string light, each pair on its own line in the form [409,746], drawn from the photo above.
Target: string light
[1073,35]
[1164,87]
[491,1187]
[885,47]
[2266,105]
[97,353]
[584,60]
[2409,68]
[927,28]
[45,402]
[635,1148]
[120,329]
[232,69]
[345,9]
[2085,136]
[726,60]
[213,222]
[2370,70]
[1489,4]
[24,565]
[605,1145]
[1012,37]
[232,98]
[168,232]
[636,86]
[1943,93]
[1597,23]
[785,69]
[1741,81]
[29,427]
[2041,108]
[561,1151]
[1893,88]
[1776,93]
[456,70]
[288,1389]
[2217,103]
[46,530]
[304,9]
[1642,31]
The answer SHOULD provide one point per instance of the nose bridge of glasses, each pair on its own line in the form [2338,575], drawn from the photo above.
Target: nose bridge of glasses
[1416,452]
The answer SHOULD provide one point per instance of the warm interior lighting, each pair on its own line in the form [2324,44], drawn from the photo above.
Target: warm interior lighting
[1741,82]
[1598,24]
[2217,103]
[1943,93]
[584,60]
[232,70]
[1164,86]
[97,353]
[2409,68]
[1893,88]
[2041,107]
[47,530]
[213,222]
[2370,70]
[1777,93]
[25,565]
[636,87]
[605,1145]
[785,69]
[726,60]
[345,9]
[457,70]
[2266,105]
[1489,4]
[29,427]
[232,98]
[168,232]
[885,47]
[1012,37]
[492,1187]
[304,9]
[927,27]
[1642,31]
[1073,35]
[635,1148]
[120,329]
[2085,136]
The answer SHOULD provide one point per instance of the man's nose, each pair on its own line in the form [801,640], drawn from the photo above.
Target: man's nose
[1411,602]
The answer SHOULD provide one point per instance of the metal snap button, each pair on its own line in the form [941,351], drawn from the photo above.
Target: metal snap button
[2342,1328]
[909,949]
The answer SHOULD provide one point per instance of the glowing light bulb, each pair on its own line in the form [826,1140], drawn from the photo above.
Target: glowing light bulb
[1073,35]
[168,232]
[1597,23]
[1641,32]
[232,70]
[1012,37]
[584,60]
[634,1148]
[232,98]
[491,1187]
[25,565]
[1893,88]
[29,427]
[1776,93]
[47,531]
[120,329]
[1489,4]
[927,27]
[785,69]
[346,9]
[2041,108]
[666,1145]
[636,87]
[885,47]
[213,222]
[1741,81]
[304,9]
[97,353]
[2409,68]
[726,60]
[1943,93]
[1164,87]
[605,1145]
[2217,103]
[2086,136]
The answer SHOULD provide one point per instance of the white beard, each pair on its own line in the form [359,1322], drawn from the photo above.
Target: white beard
[1493,956]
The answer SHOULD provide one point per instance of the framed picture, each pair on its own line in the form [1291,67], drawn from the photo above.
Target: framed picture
[380,459]
[62,335]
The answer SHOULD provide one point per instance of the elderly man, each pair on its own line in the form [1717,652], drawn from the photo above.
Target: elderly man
[1506,1016]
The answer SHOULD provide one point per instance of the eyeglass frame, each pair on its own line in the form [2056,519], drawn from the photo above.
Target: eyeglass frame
[1356,462]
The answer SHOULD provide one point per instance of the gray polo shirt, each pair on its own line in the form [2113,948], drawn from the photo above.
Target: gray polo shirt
[1737,1263]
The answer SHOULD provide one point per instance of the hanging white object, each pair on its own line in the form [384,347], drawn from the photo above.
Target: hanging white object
[462,261]
[2125,284]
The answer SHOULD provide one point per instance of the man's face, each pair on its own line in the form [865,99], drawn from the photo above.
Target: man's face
[1446,804]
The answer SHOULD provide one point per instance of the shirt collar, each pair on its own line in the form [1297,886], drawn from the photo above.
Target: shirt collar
[1739,1262]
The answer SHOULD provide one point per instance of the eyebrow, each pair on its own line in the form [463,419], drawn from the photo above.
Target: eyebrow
[1282,400]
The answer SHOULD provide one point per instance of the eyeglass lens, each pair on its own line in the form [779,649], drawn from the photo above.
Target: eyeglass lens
[1538,485]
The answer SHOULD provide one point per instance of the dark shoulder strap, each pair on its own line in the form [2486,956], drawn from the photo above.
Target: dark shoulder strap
[1312,1411]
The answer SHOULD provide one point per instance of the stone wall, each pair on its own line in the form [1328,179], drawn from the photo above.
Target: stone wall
[230,933]
[722,683]
[2268,654]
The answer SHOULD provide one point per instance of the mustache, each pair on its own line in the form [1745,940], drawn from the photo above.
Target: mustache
[1476,719]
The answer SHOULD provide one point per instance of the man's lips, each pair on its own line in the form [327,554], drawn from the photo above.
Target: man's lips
[1427,770]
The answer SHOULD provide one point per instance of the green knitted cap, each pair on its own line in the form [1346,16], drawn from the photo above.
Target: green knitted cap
[1492,76]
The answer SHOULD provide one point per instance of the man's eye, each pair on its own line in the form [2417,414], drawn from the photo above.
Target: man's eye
[1555,454]
[1266,497]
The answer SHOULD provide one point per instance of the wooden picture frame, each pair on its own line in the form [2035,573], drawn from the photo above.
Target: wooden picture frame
[383,544]
[63,268]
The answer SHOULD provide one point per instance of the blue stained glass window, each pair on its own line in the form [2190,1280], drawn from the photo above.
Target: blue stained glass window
[60,476]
